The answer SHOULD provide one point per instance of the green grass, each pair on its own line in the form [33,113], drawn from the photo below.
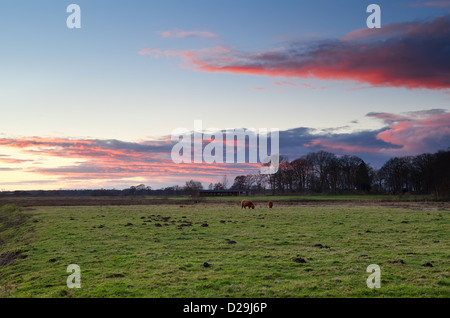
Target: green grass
[150,261]
[324,197]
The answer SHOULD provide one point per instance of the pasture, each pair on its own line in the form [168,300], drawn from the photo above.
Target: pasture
[217,250]
[306,198]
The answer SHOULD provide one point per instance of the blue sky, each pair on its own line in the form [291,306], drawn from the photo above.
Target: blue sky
[92,83]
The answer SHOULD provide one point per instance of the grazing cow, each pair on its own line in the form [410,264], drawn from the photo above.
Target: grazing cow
[246,203]
[270,204]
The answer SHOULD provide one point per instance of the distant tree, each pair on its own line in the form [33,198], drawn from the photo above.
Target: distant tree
[349,168]
[239,183]
[397,174]
[282,180]
[321,162]
[250,181]
[224,182]
[363,180]
[140,187]
[441,175]
[300,169]
[192,188]
[260,181]
[219,186]
[423,172]
[333,172]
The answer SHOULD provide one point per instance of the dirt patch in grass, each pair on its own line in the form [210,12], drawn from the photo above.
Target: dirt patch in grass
[9,258]
[115,275]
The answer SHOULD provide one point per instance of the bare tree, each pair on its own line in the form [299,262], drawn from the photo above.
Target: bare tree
[193,187]
[224,182]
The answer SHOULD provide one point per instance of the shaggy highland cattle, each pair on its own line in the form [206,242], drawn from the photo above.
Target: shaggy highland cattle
[246,203]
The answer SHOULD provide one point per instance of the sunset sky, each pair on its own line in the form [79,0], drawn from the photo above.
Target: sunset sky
[95,107]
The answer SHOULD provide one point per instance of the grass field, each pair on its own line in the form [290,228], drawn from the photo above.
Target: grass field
[325,197]
[161,251]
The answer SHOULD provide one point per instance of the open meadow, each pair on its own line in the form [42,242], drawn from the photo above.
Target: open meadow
[211,249]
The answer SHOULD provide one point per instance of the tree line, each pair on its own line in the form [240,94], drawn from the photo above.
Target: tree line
[315,173]
[324,172]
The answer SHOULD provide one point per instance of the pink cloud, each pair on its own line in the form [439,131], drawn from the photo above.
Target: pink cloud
[113,159]
[8,159]
[408,133]
[416,132]
[411,55]
[405,134]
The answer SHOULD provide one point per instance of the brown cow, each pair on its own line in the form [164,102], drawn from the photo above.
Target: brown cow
[270,204]
[246,203]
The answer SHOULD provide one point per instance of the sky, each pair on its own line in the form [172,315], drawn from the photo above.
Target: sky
[94,107]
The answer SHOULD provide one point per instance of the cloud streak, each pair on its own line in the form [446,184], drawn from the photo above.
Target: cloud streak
[408,133]
[111,159]
[405,134]
[416,132]
[411,54]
